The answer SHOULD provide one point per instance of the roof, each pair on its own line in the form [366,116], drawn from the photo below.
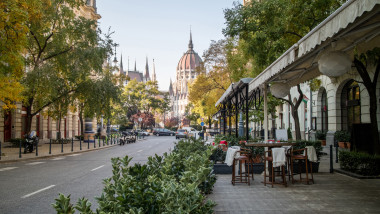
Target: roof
[136,75]
[353,24]
[190,60]
[232,89]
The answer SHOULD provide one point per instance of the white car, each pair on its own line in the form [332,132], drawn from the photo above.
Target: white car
[143,133]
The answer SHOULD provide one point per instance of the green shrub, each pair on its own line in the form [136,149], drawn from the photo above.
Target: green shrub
[218,155]
[172,183]
[360,163]
[320,135]
[342,136]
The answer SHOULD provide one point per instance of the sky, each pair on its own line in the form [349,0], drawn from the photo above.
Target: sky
[160,30]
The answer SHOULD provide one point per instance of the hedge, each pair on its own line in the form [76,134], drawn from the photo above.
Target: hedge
[360,163]
[172,183]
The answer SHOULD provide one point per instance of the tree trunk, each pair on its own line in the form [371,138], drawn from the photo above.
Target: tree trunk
[371,88]
[209,122]
[296,124]
[81,121]
[374,126]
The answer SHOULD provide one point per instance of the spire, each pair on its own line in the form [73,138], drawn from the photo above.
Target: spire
[147,76]
[191,46]
[171,87]
[135,65]
[154,78]
[121,64]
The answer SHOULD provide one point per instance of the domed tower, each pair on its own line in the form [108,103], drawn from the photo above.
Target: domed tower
[187,68]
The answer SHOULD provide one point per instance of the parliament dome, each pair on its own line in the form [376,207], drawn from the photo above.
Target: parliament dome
[190,60]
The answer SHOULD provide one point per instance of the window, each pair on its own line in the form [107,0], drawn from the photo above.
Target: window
[350,105]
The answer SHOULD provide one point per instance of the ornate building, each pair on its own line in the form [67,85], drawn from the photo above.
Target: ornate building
[187,68]
[135,74]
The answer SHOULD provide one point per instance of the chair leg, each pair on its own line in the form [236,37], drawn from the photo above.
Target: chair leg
[307,172]
[272,174]
[265,172]
[233,173]
[311,169]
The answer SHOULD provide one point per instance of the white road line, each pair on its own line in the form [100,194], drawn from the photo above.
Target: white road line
[61,158]
[34,163]
[73,155]
[38,191]
[140,151]
[97,168]
[7,168]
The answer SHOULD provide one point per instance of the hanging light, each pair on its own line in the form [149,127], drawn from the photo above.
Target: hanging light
[280,89]
[334,63]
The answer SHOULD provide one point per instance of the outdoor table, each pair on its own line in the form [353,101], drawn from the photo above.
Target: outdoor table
[270,146]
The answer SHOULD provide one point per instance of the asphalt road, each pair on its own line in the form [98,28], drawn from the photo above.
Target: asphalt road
[31,186]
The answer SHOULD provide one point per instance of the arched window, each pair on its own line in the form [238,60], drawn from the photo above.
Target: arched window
[350,105]
[324,110]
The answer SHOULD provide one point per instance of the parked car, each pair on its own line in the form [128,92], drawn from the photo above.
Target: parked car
[166,132]
[181,133]
[212,132]
[191,132]
[143,133]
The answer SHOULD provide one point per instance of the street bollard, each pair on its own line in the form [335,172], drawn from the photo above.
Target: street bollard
[37,149]
[61,145]
[88,142]
[50,147]
[94,142]
[99,141]
[103,141]
[331,159]
[72,144]
[0,151]
[336,154]
[80,142]
[19,155]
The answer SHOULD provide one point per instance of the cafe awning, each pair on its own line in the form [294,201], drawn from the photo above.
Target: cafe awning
[232,90]
[354,24]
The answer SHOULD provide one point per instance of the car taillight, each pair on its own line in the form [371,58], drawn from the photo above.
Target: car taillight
[176,132]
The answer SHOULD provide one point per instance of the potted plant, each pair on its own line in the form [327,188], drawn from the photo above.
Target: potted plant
[343,138]
[321,135]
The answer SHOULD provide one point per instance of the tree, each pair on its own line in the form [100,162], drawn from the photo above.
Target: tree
[210,85]
[190,114]
[140,97]
[172,122]
[13,37]
[362,63]
[268,28]
[64,52]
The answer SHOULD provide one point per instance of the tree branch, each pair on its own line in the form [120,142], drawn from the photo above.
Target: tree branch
[52,101]
[299,98]
[57,54]
[293,33]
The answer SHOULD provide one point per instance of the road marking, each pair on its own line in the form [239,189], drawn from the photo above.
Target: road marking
[34,163]
[97,168]
[7,168]
[58,158]
[38,191]
[73,155]
[140,151]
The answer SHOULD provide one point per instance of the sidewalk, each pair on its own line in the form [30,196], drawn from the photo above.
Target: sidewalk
[10,154]
[331,193]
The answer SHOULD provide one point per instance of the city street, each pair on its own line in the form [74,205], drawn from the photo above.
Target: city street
[31,186]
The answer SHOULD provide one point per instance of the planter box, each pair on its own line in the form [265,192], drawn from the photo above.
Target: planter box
[303,168]
[222,168]
[258,168]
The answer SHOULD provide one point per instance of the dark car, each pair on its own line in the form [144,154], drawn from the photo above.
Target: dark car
[160,132]
[181,133]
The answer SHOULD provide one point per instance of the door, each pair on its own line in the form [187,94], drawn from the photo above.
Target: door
[7,126]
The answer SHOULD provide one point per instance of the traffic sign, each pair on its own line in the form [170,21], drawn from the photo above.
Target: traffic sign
[140,119]
[202,124]
[202,119]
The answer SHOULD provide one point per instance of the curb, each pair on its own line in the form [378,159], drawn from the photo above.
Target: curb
[58,155]
[354,175]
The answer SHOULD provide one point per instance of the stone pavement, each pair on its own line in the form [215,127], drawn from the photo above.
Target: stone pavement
[331,193]
[10,154]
